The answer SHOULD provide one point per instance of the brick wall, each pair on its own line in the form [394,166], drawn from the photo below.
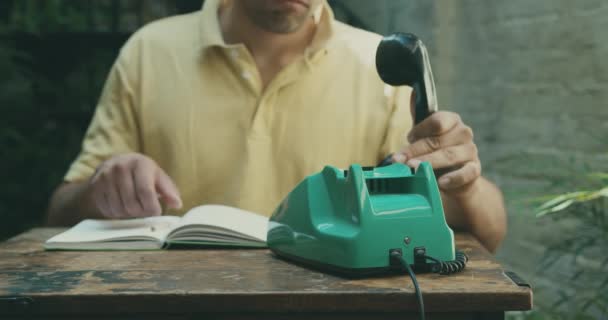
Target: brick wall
[530,77]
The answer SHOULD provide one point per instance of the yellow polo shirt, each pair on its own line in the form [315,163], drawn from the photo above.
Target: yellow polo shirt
[182,96]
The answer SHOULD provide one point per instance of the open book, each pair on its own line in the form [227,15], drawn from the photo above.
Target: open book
[214,225]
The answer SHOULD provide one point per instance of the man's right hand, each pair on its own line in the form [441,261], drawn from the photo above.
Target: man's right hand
[131,185]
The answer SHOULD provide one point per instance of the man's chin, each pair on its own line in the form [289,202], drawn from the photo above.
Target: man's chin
[279,16]
[283,24]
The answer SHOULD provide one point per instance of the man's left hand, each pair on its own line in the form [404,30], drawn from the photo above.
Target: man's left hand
[447,143]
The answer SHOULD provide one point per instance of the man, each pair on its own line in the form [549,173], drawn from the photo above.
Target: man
[239,102]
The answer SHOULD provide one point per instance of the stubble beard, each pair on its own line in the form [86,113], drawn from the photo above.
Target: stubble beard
[278,21]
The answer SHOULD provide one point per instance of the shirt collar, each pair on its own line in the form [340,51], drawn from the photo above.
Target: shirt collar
[211,33]
[324,17]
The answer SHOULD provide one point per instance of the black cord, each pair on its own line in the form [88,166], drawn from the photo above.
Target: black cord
[441,267]
[449,267]
[398,257]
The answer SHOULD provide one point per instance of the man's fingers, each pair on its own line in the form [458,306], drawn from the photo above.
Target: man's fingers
[143,179]
[459,178]
[127,185]
[96,184]
[102,203]
[107,210]
[436,124]
[459,135]
[113,198]
[126,191]
[448,156]
[167,190]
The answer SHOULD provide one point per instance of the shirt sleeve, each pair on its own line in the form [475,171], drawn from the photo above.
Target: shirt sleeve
[113,129]
[400,121]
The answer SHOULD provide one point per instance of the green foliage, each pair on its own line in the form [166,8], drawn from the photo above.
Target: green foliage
[578,259]
[564,201]
[42,123]
[50,15]
[48,89]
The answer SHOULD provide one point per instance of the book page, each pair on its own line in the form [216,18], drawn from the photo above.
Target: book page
[90,230]
[240,221]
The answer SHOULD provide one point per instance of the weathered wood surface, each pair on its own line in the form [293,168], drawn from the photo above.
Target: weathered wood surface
[236,280]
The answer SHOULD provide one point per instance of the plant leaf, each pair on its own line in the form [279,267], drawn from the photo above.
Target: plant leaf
[562,202]
[599,175]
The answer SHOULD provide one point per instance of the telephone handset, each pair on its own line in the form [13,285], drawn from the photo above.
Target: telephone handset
[402,59]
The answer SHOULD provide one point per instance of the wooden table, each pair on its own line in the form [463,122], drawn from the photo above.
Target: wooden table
[234,284]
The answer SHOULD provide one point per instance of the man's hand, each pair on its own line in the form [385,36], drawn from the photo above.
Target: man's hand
[130,185]
[471,202]
[447,143]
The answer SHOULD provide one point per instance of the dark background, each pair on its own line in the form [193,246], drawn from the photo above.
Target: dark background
[54,57]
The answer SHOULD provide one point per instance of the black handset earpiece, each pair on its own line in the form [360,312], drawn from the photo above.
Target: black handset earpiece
[402,59]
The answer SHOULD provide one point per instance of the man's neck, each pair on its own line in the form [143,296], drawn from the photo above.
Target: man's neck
[271,51]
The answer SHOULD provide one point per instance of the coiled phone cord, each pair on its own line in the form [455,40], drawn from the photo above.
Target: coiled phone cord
[449,267]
